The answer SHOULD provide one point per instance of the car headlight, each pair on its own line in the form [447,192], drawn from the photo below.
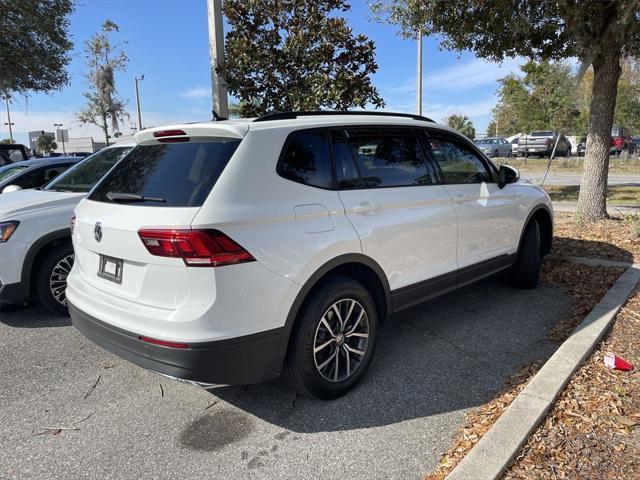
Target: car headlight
[7,229]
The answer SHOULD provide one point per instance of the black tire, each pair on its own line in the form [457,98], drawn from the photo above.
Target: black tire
[301,367]
[50,284]
[526,271]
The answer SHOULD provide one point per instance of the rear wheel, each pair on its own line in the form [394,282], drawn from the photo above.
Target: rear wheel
[51,278]
[333,340]
[526,271]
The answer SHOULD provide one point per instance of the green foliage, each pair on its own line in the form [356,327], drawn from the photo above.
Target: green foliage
[5,140]
[296,55]
[462,124]
[46,143]
[34,45]
[543,98]
[103,58]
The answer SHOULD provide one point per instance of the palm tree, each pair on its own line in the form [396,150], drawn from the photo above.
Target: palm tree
[462,124]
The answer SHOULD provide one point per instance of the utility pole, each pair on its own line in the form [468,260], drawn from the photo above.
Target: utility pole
[6,99]
[61,135]
[216,54]
[136,80]
[419,76]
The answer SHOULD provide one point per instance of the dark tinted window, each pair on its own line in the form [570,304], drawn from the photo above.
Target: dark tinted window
[457,162]
[306,159]
[376,157]
[83,176]
[9,171]
[182,174]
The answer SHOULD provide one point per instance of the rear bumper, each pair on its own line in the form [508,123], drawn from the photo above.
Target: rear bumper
[237,361]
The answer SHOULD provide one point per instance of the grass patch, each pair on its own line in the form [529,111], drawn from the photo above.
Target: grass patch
[570,164]
[616,194]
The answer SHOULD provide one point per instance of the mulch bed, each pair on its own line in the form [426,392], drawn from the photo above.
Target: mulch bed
[612,239]
[588,433]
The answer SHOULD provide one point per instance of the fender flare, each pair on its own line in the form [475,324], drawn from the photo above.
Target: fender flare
[35,248]
[313,280]
[534,210]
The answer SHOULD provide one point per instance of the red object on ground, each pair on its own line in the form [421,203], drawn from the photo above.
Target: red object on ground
[614,362]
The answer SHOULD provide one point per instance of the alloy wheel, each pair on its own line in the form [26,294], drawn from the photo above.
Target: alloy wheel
[341,340]
[58,279]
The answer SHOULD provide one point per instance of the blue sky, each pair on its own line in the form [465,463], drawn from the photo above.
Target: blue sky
[167,42]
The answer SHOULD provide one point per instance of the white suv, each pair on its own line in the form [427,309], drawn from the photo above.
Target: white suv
[35,240]
[223,253]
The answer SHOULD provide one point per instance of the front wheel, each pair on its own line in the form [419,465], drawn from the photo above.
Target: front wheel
[526,271]
[51,278]
[333,340]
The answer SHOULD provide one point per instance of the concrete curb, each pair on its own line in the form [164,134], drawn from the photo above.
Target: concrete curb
[494,452]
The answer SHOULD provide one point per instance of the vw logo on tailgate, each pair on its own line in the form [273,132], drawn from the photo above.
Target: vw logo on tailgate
[97,231]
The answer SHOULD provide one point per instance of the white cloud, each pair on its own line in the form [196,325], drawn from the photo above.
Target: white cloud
[196,93]
[458,77]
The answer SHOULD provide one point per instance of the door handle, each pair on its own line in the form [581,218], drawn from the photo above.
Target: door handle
[366,207]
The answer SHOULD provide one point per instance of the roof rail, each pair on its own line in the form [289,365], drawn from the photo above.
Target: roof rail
[291,115]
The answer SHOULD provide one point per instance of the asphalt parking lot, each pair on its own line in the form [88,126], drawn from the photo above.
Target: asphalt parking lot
[432,364]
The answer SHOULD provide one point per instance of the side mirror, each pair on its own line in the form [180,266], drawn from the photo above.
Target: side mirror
[507,174]
[11,188]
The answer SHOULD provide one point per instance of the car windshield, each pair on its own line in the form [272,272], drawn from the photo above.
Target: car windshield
[615,132]
[83,176]
[486,141]
[9,172]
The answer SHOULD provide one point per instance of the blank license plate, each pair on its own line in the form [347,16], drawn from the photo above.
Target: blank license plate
[110,269]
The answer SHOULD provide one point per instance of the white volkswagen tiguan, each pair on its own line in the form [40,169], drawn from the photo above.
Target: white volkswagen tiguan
[226,252]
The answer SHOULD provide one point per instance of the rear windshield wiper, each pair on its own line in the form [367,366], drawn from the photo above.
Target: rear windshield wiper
[132,197]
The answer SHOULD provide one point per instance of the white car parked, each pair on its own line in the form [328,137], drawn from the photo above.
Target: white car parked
[36,254]
[226,252]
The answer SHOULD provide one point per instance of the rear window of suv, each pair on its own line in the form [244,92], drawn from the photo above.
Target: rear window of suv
[167,175]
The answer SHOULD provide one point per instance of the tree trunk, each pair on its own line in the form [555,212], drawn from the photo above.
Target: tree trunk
[105,129]
[592,201]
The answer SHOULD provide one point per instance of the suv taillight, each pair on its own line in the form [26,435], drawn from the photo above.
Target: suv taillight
[197,248]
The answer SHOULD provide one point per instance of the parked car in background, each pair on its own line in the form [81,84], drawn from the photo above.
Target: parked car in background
[494,147]
[514,146]
[635,145]
[33,173]
[11,153]
[540,143]
[620,139]
[582,146]
[198,262]
[35,239]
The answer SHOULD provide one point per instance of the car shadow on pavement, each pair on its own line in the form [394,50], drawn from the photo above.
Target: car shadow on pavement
[31,316]
[590,248]
[449,354]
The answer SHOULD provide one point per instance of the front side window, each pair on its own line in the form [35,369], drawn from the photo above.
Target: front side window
[377,157]
[167,175]
[10,171]
[306,159]
[457,162]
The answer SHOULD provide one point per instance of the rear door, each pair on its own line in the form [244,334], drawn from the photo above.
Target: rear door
[157,186]
[404,220]
[488,217]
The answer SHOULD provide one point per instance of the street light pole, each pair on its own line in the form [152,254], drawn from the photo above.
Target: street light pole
[419,76]
[136,79]
[6,99]
[216,54]
[59,127]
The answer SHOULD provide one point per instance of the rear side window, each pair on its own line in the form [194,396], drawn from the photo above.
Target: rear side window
[168,175]
[376,157]
[306,159]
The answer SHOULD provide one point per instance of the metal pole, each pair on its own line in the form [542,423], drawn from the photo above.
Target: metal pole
[61,135]
[419,76]
[6,99]
[216,54]
[138,101]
